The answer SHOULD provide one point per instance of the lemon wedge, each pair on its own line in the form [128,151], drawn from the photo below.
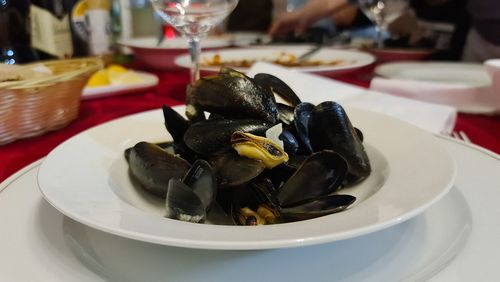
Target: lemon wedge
[114,75]
[99,78]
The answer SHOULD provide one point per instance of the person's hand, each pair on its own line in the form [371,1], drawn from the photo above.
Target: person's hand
[298,21]
[406,25]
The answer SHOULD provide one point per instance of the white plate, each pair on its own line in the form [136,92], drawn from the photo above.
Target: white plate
[86,178]
[460,85]
[351,60]
[162,57]
[56,248]
[148,80]
[468,74]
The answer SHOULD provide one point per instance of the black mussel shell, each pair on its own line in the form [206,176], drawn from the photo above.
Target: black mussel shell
[202,180]
[233,170]
[280,174]
[177,125]
[248,201]
[321,174]
[317,207]
[302,114]
[153,167]
[233,94]
[290,143]
[360,134]
[331,129]
[278,86]
[208,137]
[182,203]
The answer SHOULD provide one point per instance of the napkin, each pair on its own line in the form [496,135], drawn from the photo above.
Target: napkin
[315,89]
[452,94]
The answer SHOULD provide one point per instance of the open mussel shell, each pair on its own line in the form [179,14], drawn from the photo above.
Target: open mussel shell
[191,199]
[254,203]
[208,137]
[290,143]
[331,129]
[317,207]
[176,126]
[259,148]
[233,170]
[278,87]
[280,174]
[302,113]
[202,180]
[182,203]
[233,94]
[153,167]
[321,174]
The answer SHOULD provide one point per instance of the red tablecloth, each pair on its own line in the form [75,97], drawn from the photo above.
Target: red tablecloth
[482,130]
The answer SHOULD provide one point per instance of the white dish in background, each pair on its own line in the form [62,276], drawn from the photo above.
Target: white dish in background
[86,178]
[148,80]
[351,60]
[465,86]
[467,74]
[452,238]
[147,51]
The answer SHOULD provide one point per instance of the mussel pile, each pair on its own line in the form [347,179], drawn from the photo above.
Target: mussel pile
[261,161]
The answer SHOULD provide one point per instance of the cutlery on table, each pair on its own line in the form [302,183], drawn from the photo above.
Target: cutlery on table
[338,38]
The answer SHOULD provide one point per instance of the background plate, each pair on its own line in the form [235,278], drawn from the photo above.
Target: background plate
[351,59]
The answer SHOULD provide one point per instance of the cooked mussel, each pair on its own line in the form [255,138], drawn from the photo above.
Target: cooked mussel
[259,148]
[191,199]
[209,137]
[320,174]
[233,169]
[233,94]
[153,167]
[331,129]
[302,113]
[278,87]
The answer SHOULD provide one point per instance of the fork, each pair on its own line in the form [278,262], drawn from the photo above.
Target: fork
[339,37]
[460,135]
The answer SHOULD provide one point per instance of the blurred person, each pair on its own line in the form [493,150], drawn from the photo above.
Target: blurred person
[251,15]
[435,24]
[483,40]
[297,21]
[440,25]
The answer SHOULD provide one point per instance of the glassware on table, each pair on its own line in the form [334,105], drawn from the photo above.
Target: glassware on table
[382,13]
[194,19]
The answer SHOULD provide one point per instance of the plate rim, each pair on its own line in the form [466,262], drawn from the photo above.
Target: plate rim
[294,241]
[183,59]
[381,69]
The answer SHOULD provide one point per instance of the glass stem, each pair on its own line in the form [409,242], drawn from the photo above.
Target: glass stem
[194,51]
[380,36]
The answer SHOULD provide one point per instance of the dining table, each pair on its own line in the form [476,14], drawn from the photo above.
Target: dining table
[57,246]
[482,130]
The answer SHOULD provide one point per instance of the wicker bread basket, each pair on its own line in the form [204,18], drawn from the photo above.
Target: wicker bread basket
[34,105]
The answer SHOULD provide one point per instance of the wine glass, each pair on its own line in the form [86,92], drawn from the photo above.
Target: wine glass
[382,13]
[194,19]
